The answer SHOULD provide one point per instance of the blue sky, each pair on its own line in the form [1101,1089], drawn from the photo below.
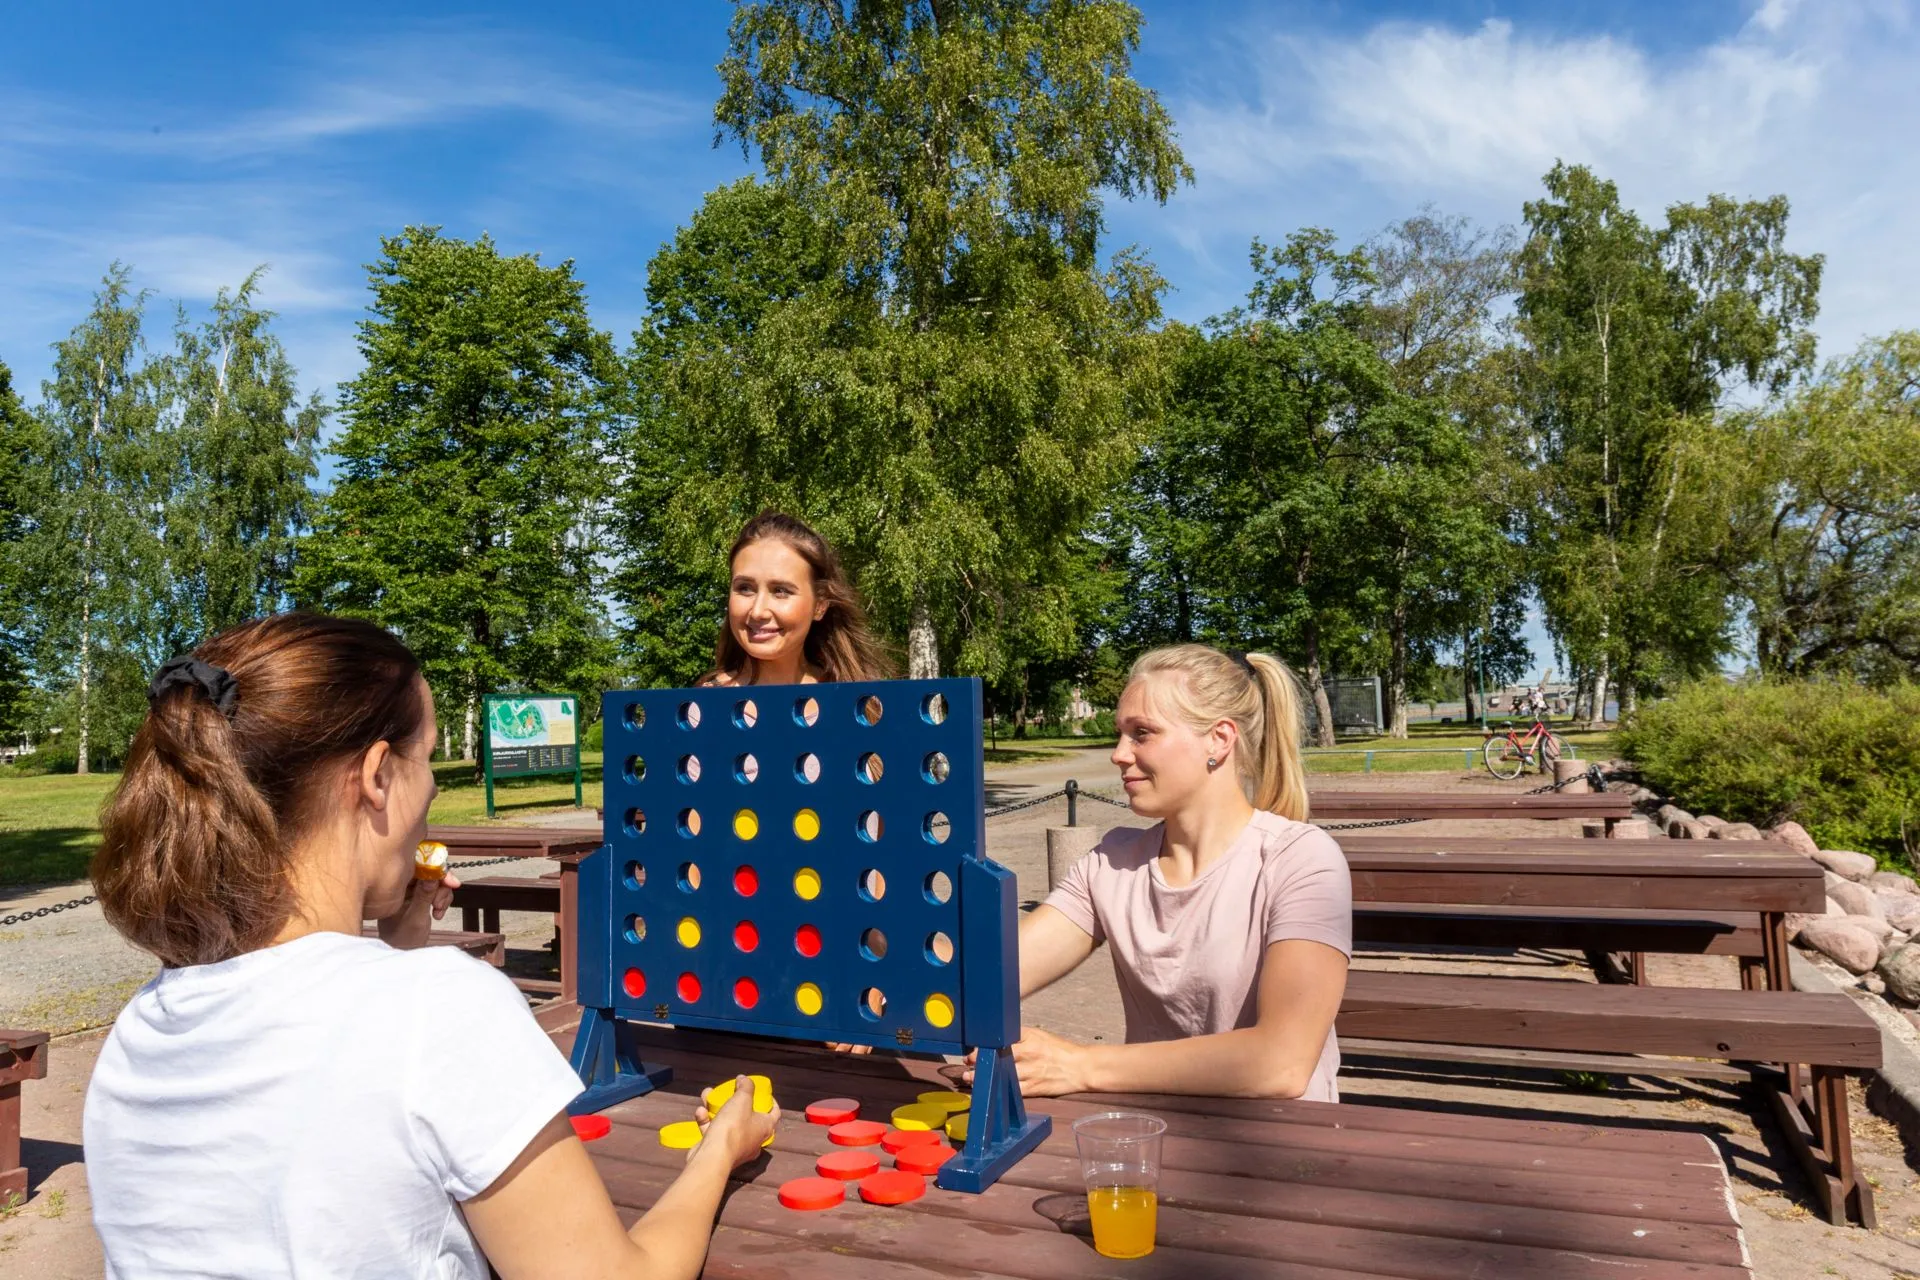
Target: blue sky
[195,142]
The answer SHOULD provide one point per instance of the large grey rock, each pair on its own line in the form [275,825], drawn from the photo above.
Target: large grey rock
[1647,799]
[1875,925]
[1901,970]
[1693,830]
[1712,820]
[1885,882]
[1903,911]
[1853,949]
[1854,866]
[1736,831]
[1856,899]
[1792,833]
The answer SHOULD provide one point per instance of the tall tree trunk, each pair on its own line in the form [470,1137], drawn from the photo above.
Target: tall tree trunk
[923,654]
[1469,674]
[1629,695]
[1397,671]
[1317,688]
[1182,607]
[86,672]
[466,731]
[1597,695]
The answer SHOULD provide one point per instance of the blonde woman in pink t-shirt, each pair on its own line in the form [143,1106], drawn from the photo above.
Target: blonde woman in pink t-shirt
[1230,920]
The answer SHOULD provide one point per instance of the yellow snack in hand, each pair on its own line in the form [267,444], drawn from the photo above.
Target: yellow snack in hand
[430,860]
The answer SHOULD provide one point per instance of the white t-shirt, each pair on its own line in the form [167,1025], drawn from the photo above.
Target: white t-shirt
[313,1109]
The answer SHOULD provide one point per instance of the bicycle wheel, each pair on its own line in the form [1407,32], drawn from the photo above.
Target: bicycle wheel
[1504,760]
[1550,751]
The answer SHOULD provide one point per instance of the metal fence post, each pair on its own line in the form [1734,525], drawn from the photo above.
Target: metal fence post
[1369,768]
[1073,802]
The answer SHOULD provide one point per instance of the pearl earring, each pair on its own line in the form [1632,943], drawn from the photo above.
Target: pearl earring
[1212,763]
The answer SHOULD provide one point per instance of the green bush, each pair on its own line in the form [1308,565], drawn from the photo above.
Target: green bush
[594,739]
[1841,760]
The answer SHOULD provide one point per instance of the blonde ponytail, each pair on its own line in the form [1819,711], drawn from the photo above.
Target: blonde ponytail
[1259,694]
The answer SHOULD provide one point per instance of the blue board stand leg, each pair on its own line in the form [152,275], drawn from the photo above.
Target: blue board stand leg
[610,1070]
[999,1131]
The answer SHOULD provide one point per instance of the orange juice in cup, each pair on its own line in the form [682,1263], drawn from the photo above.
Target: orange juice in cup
[1120,1160]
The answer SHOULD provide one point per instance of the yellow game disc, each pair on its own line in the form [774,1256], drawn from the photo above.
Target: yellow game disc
[681,1135]
[806,824]
[806,883]
[689,933]
[806,998]
[947,1098]
[720,1094]
[919,1115]
[745,824]
[939,1010]
[957,1127]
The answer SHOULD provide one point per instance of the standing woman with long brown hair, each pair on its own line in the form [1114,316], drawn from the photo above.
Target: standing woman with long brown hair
[792,615]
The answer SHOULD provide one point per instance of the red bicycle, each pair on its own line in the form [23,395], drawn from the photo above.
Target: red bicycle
[1511,754]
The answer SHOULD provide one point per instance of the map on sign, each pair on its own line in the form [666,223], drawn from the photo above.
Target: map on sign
[532,735]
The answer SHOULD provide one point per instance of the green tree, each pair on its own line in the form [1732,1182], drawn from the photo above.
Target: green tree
[468,513]
[18,445]
[952,405]
[90,557]
[240,448]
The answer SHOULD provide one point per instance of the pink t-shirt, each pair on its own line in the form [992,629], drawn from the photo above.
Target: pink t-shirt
[1188,959]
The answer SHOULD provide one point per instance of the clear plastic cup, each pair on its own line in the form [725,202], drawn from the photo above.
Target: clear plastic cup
[1120,1162]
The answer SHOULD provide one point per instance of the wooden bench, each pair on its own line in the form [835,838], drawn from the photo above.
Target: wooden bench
[1338,806]
[491,947]
[483,898]
[1827,1033]
[23,1056]
[565,846]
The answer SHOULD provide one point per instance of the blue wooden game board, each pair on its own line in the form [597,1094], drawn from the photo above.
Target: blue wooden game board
[805,861]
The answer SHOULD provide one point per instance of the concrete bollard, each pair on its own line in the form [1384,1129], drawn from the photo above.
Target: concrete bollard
[1593,828]
[1570,777]
[1632,829]
[1066,846]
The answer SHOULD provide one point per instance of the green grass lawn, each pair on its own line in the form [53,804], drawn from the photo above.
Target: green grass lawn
[1590,745]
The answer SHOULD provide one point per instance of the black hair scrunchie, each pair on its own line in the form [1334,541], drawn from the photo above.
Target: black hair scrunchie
[188,671]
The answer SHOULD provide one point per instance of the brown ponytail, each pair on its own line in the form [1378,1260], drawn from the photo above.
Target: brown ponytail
[196,841]
[840,646]
[1259,694]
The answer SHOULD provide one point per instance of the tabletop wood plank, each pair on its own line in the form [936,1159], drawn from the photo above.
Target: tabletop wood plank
[1331,805]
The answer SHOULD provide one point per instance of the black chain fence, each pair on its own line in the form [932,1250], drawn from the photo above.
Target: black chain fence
[37,912]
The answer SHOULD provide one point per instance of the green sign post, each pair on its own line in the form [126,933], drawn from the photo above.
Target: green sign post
[528,733]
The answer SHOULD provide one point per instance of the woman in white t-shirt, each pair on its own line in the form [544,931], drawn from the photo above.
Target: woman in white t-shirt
[288,1098]
[1230,920]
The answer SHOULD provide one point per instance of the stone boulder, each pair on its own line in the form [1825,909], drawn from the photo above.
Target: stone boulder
[1854,866]
[1875,925]
[1901,970]
[1690,830]
[1735,831]
[1712,820]
[1854,899]
[1852,948]
[1884,882]
[1792,833]
[1902,910]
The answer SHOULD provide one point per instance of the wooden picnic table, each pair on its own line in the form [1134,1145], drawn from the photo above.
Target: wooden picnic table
[563,845]
[23,1056]
[1341,806]
[1675,875]
[1302,1190]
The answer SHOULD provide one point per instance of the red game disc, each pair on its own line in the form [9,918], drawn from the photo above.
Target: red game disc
[833,1111]
[924,1159]
[812,1193]
[587,1128]
[892,1186]
[856,1133]
[847,1166]
[897,1140]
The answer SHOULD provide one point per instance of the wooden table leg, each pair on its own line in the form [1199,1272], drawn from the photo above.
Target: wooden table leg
[23,1056]
[569,929]
[1773,941]
[1836,1138]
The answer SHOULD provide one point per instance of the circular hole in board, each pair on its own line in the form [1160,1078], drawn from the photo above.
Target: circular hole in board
[636,877]
[636,929]
[868,710]
[689,877]
[806,940]
[634,822]
[869,767]
[746,881]
[938,888]
[936,767]
[806,712]
[873,944]
[634,770]
[933,708]
[746,936]
[870,826]
[873,885]
[746,768]
[687,932]
[746,824]
[873,1004]
[688,769]
[688,823]
[939,948]
[807,768]
[806,824]
[634,983]
[746,993]
[636,716]
[807,999]
[688,988]
[746,713]
[689,715]
[806,884]
[936,828]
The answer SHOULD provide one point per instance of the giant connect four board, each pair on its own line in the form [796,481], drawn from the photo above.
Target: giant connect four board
[804,861]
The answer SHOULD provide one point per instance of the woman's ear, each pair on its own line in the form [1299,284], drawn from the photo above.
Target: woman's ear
[1221,740]
[375,777]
